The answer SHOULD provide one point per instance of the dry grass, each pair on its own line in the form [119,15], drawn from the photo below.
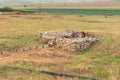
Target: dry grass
[101,60]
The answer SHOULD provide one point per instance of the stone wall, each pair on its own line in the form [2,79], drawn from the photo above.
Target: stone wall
[22,49]
[68,40]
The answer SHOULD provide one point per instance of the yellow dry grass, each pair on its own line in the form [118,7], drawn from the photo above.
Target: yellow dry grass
[101,60]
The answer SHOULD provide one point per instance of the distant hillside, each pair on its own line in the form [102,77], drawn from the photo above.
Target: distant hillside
[62,3]
[22,2]
[84,4]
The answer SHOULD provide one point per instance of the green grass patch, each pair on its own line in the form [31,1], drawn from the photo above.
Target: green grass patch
[18,41]
[75,11]
[83,52]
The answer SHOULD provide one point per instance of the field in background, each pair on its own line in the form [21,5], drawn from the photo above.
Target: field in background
[63,10]
[86,8]
[102,60]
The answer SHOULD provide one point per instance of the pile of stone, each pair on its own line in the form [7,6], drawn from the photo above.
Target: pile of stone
[68,40]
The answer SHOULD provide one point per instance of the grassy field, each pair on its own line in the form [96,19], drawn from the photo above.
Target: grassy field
[85,11]
[102,60]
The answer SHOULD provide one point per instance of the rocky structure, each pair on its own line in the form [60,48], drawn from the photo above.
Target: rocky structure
[22,49]
[68,40]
